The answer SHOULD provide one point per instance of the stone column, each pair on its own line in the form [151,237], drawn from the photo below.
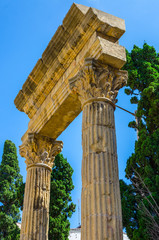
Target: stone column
[40,153]
[97,87]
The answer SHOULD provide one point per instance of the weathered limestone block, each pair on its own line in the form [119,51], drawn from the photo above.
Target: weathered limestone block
[40,153]
[45,96]
[97,87]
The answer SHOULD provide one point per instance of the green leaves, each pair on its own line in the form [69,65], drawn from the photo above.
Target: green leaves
[61,205]
[128,207]
[143,85]
[132,125]
[134,100]
[10,181]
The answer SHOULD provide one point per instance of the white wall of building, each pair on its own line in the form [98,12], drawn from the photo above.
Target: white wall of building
[75,234]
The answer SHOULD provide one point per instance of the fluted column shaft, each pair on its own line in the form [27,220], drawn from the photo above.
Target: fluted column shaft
[35,220]
[101,217]
[39,152]
[97,86]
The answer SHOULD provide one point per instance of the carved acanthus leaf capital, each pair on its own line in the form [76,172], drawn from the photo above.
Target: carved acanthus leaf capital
[97,80]
[40,149]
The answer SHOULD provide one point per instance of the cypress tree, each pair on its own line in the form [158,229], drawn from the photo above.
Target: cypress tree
[10,181]
[141,220]
[61,205]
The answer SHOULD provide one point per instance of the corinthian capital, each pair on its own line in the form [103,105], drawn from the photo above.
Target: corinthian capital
[40,150]
[97,80]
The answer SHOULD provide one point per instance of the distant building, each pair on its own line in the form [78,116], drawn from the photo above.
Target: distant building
[19,225]
[75,234]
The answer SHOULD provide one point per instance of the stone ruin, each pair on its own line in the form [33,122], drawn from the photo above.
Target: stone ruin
[78,71]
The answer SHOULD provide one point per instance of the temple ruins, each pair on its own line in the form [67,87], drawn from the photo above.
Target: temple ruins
[78,71]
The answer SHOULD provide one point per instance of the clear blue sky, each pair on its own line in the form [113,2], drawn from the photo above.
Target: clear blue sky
[26,28]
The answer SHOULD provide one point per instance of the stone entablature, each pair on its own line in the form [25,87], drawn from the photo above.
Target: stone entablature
[85,33]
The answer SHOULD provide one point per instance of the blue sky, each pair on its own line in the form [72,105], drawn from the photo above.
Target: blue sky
[26,28]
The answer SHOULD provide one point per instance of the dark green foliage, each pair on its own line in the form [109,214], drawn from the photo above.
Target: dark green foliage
[61,205]
[128,202]
[20,195]
[143,166]
[10,181]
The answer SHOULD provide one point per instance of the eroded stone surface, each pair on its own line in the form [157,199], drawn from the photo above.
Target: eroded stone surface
[80,69]
[85,33]
[97,86]
[39,152]
[97,80]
